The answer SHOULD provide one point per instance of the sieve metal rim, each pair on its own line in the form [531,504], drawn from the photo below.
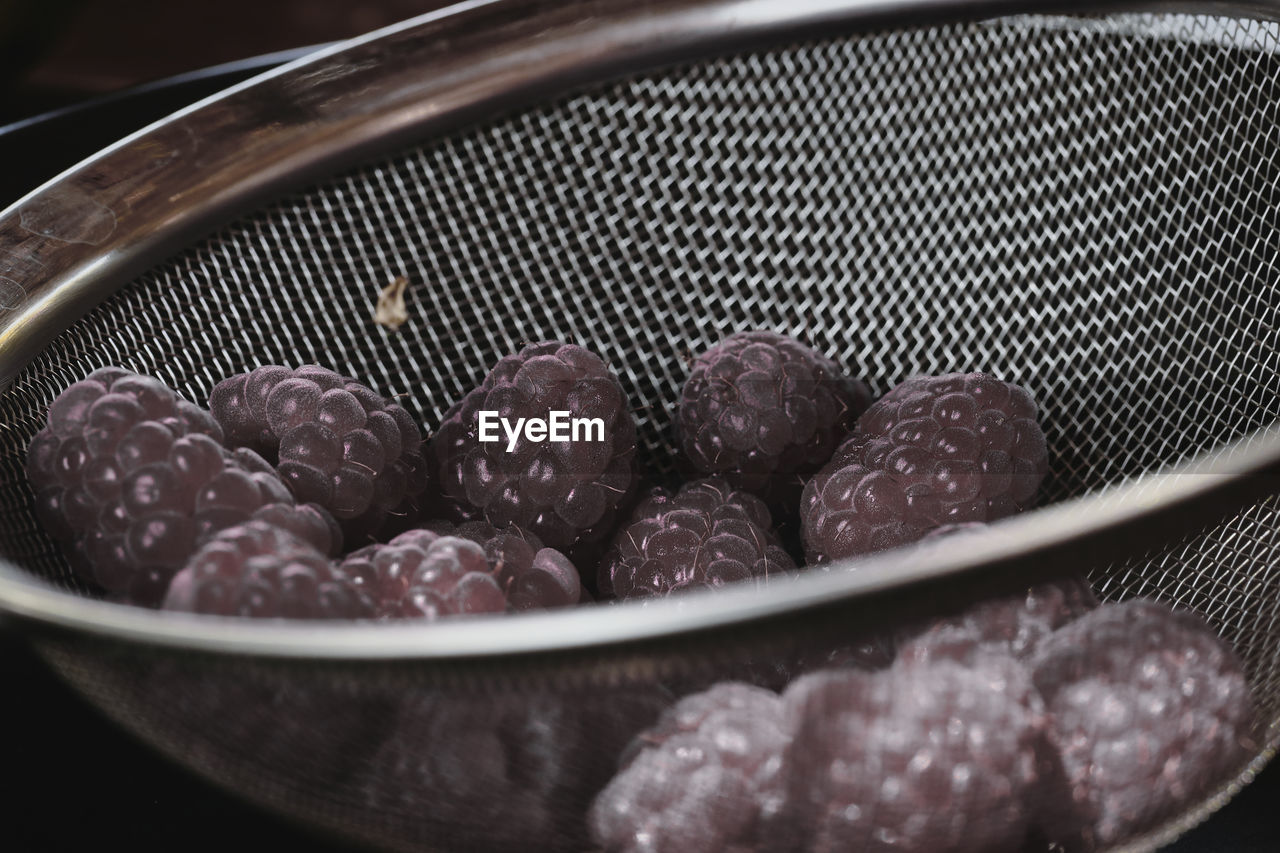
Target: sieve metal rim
[337,118]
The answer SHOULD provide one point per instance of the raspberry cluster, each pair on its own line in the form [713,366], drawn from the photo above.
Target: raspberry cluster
[707,534]
[764,411]
[918,757]
[915,758]
[132,479]
[336,442]
[565,493]
[1150,710]
[1037,716]
[933,451]
[711,749]
[1114,718]
[423,574]
[533,577]
[263,571]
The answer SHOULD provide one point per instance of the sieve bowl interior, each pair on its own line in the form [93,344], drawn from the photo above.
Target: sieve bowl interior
[1082,206]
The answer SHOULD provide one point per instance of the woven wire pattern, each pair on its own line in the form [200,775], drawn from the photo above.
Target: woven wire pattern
[1087,207]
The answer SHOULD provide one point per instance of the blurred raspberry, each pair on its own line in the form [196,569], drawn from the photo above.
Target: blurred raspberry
[705,535]
[568,494]
[507,772]
[765,412]
[1013,625]
[335,442]
[939,757]
[933,451]
[1150,710]
[704,778]
[261,571]
[131,480]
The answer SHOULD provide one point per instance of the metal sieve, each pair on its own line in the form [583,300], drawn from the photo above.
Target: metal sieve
[1085,205]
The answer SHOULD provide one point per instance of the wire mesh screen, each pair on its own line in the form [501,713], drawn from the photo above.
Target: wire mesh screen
[1086,207]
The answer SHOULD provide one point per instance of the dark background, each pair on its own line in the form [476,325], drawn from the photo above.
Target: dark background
[71,780]
[57,52]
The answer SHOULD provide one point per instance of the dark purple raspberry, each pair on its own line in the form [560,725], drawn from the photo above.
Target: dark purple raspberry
[567,493]
[423,574]
[533,577]
[933,451]
[943,757]
[265,572]
[705,778]
[335,442]
[1149,709]
[307,522]
[765,412]
[502,772]
[132,479]
[420,574]
[705,535]
[1013,625]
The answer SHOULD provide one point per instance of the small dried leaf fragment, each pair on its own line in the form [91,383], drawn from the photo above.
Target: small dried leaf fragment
[390,310]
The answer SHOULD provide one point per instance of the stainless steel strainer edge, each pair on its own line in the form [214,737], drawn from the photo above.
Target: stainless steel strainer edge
[81,236]
[1122,520]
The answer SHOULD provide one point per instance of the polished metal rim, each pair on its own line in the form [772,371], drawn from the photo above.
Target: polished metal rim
[74,241]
